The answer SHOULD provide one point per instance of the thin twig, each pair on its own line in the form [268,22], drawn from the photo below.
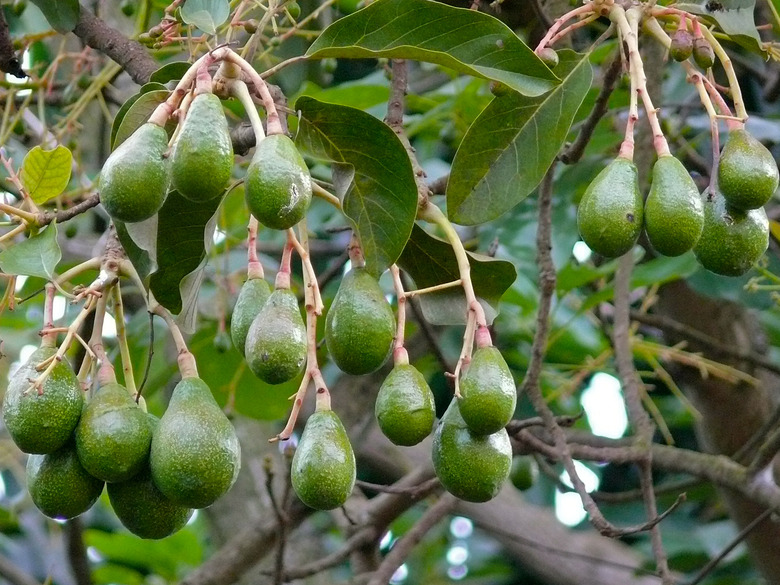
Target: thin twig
[413,491]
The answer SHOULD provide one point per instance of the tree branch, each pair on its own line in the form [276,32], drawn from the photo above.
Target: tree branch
[9,63]
[77,552]
[13,574]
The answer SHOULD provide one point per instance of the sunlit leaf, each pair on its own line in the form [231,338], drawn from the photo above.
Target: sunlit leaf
[207,15]
[120,115]
[45,173]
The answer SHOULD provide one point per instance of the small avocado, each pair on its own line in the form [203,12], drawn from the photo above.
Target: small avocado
[58,484]
[747,172]
[113,435]
[360,325]
[523,474]
[323,467]
[134,179]
[470,467]
[404,406]
[610,214]
[202,158]
[195,456]
[703,54]
[674,214]
[278,185]
[42,422]
[488,394]
[251,298]
[275,347]
[682,45]
[732,240]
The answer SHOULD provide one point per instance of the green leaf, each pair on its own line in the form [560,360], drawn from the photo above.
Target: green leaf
[510,146]
[45,173]
[138,114]
[38,255]
[734,17]
[431,261]
[207,15]
[170,72]
[371,171]
[468,41]
[120,115]
[63,15]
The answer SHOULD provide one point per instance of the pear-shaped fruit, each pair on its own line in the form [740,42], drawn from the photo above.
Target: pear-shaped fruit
[113,435]
[359,326]
[732,240]
[610,213]
[134,179]
[488,395]
[471,467]
[251,299]
[58,484]
[682,45]
[703,53]
[195,455]
[275,347]
[747,173]
[42,422]
[323,467]
[404,406]
[523,474]
[278,185]
[202,158]
[674,214]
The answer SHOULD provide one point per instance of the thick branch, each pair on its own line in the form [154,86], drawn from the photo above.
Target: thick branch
[9,63]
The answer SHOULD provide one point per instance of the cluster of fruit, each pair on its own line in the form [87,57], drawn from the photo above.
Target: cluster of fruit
[156,470]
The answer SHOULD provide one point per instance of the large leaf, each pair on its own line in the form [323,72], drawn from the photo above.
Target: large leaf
[431,261]
[138,114]
[63,15]
[120,115]
[45,173]
[734,17]
[465,40]
[509,148]
[38,255]
[207,15]
[371,171]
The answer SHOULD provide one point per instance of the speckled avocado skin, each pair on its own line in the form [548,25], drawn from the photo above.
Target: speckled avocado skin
[488,394]
[134,178]
[278,184]
[405,407]
[113,436]
[251,298]
[202,158]
[747,172]
[195,455]
[323,467]
[275,347]
[610,214]
[42,423]
[674,213]
[58,484]
[470,467]
[359,326]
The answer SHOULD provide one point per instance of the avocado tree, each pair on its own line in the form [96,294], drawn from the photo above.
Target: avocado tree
[301,291]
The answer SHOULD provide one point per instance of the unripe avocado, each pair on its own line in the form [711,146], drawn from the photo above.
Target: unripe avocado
[202,158]
[747,172]
[404,406]
[470,467]
[252,297]
[323,467]
[113,435]
[42,423]
[360,325]
[703,53]
[275,347]
[58,484]
[488,394]
[134,179]
[523,474]
[674,214]
[682,45]
[278,185]
[732,240]
[610,213]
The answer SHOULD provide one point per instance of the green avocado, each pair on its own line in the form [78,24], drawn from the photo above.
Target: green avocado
[323,467]
[611,210]
[360,325]
[488,394]
[674,214]
[278,185]
[275,347]
[747,172]
[470,467]
[682,45]
[134,179]
[42,422]
[251,299]
[202,158]
[703,53]
[113,435]
[404,406]
[523,474]
[195,456]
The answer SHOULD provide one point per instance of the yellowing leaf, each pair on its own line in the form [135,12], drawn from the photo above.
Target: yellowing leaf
[45,173]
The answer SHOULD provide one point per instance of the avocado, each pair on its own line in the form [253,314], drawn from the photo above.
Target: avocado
[405,407]
[251,299]
[488,394]
[747,172]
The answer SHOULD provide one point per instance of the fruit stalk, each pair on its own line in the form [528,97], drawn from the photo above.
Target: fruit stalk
[584,21]
[311,277]
[728,67]
[586,8]
[25,216]
[121,335]
[254,268]
[400,357]
[239,90]
[48,338]
[106,371]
